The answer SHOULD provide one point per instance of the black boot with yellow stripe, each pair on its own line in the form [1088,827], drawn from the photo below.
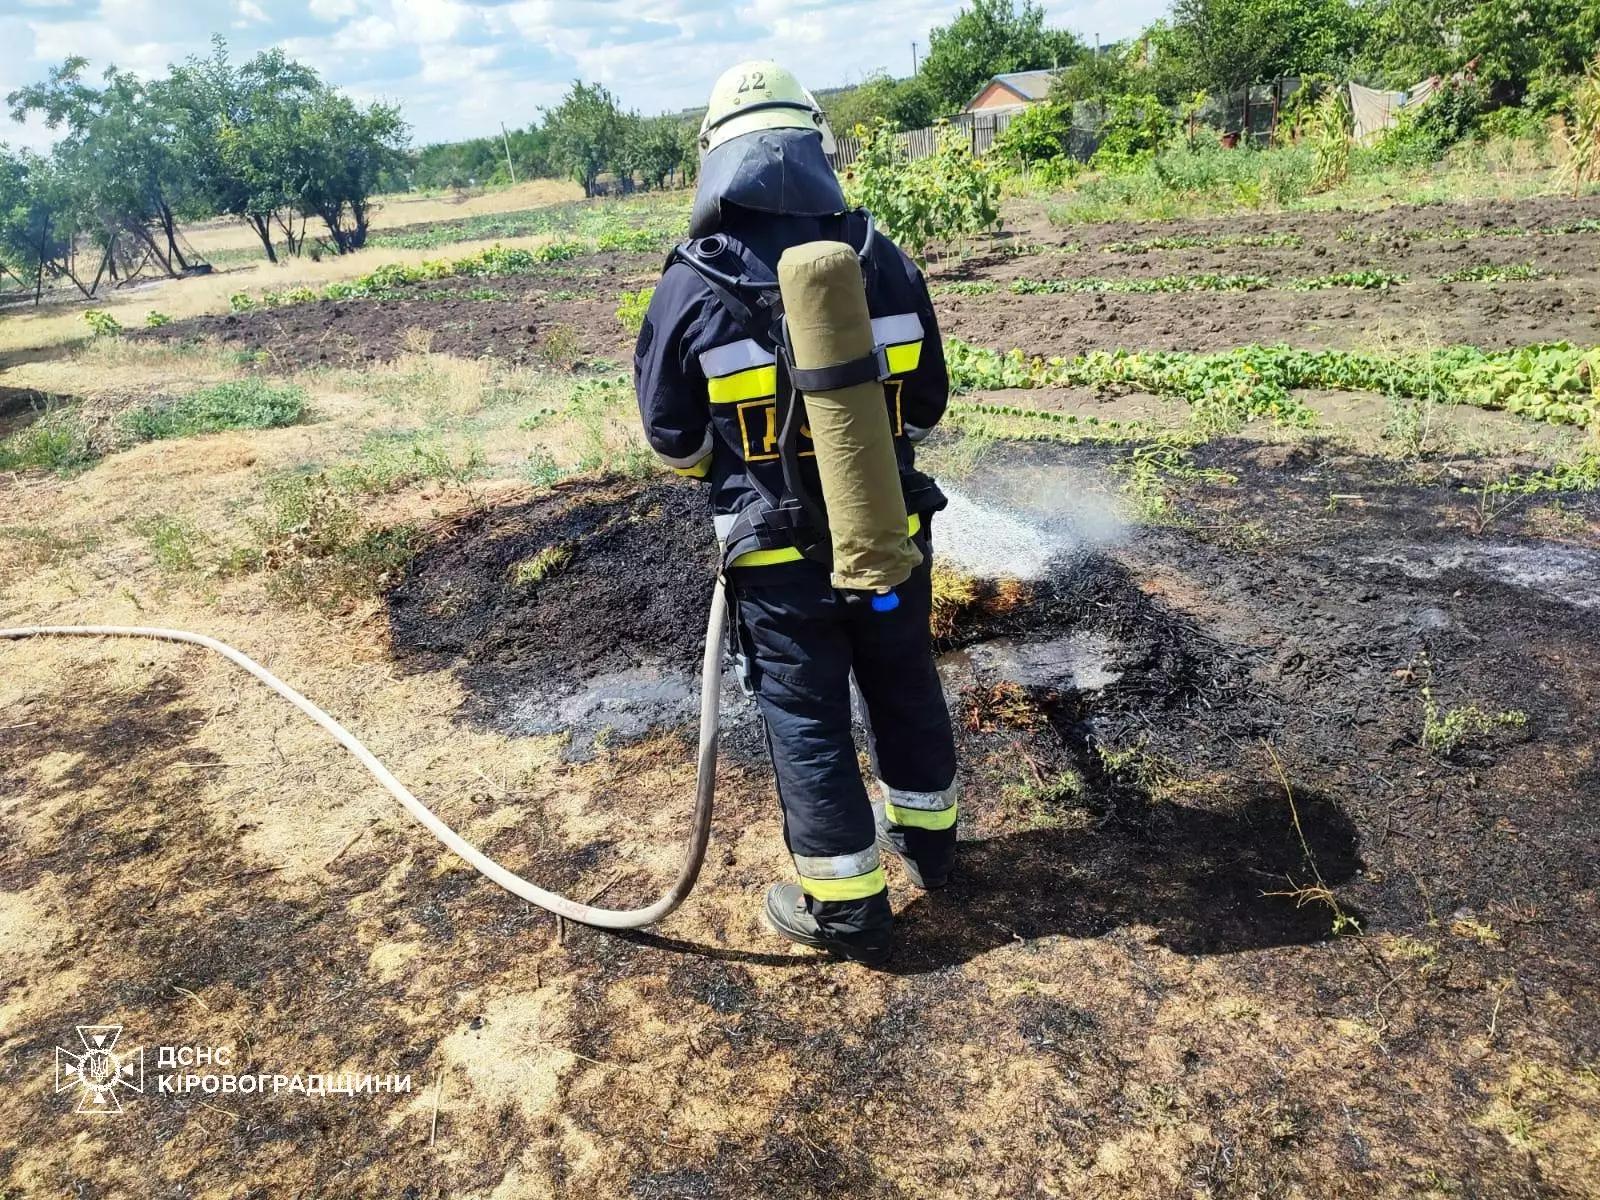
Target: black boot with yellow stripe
[858,930]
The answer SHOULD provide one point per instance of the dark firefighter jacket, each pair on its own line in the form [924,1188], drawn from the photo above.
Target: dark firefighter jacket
[706,387]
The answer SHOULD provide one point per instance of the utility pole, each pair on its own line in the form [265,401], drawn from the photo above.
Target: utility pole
[506,138]
[913,58]
[1097,45]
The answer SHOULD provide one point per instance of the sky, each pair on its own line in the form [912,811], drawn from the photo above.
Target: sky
[460,67]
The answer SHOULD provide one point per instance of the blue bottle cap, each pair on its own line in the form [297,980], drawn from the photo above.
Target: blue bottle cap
[885,602]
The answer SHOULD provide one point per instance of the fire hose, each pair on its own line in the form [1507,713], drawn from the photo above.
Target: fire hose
[572,910]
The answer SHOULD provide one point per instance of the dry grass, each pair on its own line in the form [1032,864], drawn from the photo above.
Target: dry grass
[402,209]
[52,325]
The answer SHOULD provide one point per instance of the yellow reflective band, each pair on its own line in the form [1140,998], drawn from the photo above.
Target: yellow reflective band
[754,384]
[921,818]
[857,887]
[766,558]
[699,471]
[904,359]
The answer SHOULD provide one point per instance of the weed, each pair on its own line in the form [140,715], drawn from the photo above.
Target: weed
[1318,891]
[541,566]
[155,320]
[542,470]
[55,442]
[631,308]
[320,549]
[102,323]
[561,346]
[236,404]
[1149,469]
[1446,731]
[391,463]
[174,542]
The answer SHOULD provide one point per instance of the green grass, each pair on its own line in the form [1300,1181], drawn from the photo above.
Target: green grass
[175,543]
[236,404]
[55,442]
[1554,382]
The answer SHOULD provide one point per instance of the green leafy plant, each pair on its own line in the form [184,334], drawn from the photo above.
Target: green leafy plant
[1197,241]
[155,320]
[1327,126]
[1368,280]
[1553,382]
[101,323]
[632,306]
[947,195]
[1582,165]
[1136,126]
[1487,273]
[237,404]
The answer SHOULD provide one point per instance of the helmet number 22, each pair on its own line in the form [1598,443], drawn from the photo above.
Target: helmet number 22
[755,81]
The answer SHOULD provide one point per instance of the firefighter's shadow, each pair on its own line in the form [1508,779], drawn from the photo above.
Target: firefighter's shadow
[1206,881]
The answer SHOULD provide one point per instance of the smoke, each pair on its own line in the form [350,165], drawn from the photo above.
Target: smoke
[1025,521]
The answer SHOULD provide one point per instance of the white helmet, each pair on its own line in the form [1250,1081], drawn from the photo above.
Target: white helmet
[760,95]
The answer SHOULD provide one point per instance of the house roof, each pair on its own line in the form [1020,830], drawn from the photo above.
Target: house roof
[1027,86]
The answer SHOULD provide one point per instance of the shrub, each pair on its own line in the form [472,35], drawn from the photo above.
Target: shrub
[102,324]
[1136,126]
[944,196]
[155,320]
[1036,135]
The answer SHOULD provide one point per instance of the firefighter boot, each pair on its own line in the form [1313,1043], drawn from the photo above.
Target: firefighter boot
[858,931]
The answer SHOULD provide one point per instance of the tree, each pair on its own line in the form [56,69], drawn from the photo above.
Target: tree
[904,104]
[1224,45]
[653,147]
[586,132]
[38,233]
[345,151]
[1094,77]
[239,131]
[119,154]
[990,38]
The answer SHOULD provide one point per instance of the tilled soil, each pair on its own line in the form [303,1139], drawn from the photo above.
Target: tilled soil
[563,315]
[1421,312]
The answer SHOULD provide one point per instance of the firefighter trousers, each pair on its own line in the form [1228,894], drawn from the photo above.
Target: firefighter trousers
[803,642]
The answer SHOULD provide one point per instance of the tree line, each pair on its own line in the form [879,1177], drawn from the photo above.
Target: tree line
[266,141]
[587,135]
[1527,54]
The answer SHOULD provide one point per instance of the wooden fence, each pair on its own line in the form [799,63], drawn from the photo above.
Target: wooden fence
[980,130]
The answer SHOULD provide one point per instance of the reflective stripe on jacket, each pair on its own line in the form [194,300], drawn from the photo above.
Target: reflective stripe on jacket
[706,388]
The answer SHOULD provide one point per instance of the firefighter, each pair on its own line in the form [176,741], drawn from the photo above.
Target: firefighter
[707,380]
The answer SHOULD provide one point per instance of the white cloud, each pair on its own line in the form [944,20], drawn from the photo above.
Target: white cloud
[333,10]
[458,67]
